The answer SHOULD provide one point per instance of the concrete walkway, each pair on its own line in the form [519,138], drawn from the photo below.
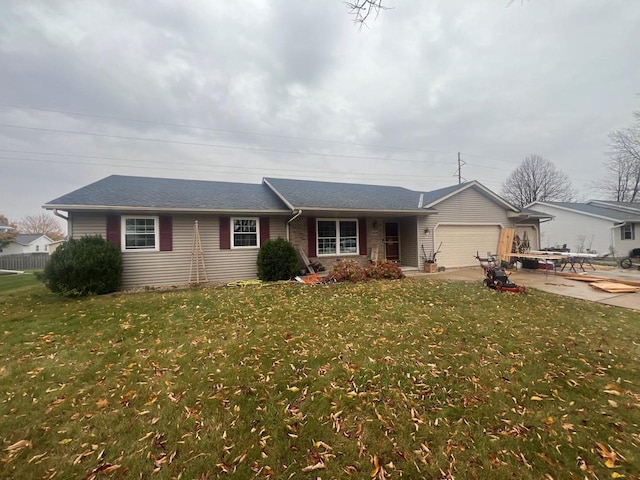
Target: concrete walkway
[552,283]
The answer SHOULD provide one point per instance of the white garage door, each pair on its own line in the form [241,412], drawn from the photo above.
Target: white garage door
[461,242]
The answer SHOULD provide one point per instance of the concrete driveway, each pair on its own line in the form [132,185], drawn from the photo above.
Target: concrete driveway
[557,284]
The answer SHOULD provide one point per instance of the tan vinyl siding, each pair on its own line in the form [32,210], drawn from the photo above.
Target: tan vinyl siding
[278,227]
[87,224]
[470,206]
[408,242]
[172,268]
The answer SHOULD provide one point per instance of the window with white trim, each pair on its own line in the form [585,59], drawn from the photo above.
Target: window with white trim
[245,233]
[140,233]
[628,231]
[337,237]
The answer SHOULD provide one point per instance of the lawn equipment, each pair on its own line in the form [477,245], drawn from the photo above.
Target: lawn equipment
[631,260]
[495,277]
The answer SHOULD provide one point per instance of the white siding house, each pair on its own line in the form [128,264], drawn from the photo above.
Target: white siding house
[591,226]
[28,243]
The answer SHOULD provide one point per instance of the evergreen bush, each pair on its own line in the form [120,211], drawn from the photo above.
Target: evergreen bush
[277,260]
[89,265]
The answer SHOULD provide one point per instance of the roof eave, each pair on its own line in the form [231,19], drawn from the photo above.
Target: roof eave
[123,208]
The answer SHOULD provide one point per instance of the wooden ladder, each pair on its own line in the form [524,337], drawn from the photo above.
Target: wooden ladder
[197,258]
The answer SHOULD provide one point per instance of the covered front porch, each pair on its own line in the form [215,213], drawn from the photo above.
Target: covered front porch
[331,237]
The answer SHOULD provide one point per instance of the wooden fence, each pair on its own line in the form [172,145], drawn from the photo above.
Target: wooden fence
[24,261]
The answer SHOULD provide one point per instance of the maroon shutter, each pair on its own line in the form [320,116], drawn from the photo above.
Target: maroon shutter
[264,230]
[225,233]
[113,230]
[166,234]
[362,235]
[311,236]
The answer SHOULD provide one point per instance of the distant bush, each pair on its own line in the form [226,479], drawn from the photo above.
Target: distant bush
[277,260]
[385,269]
[85,266]
[348,271]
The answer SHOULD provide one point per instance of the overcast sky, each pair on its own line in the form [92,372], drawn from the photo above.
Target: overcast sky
[236,91]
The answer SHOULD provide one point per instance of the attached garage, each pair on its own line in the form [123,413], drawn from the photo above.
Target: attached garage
[461,242]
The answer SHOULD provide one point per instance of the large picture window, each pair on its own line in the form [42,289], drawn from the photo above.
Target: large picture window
[140,233]
[337,237]
[244,232]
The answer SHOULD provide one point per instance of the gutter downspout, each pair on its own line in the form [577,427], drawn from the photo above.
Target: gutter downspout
[613,238]
[66,219]
[58,214]
[291,220]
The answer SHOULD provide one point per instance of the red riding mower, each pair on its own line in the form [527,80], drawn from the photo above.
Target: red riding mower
[495,277]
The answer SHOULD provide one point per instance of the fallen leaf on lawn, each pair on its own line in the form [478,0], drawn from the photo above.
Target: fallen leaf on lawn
[293,389]
[609,456]
[18,445]
[37,457]
[311,468]
[617,475]
[64,441]
[102,403]
[536,398]
[567,426]
[613,403]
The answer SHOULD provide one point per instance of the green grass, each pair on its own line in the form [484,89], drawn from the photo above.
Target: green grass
[14,282]
[424,379]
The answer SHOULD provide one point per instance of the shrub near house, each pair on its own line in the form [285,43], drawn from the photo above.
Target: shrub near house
[82,267]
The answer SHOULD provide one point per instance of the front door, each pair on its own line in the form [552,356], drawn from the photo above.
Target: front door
[391,241]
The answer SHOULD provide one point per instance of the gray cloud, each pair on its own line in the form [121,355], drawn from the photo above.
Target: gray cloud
[432,78]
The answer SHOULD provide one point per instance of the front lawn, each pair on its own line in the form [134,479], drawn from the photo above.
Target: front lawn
[17,281]
[411,378]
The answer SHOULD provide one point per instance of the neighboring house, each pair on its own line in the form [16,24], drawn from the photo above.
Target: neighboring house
[54,246]
[5,228]
[152,221]
[594,226]
[27,243]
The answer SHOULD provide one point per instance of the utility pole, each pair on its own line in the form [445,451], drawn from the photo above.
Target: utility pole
[459,172]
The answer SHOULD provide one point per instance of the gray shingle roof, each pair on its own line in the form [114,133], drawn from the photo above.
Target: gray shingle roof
[434,195]
[161,193]
[612,213]
[308,194]
[27,238]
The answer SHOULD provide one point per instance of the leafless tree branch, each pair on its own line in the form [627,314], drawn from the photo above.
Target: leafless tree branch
[41,223]
[361,10]
[622,180]
[537,179]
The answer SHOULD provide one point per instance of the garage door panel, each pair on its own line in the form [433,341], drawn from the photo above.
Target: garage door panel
[461,242]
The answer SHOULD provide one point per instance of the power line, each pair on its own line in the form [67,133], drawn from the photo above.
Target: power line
[211,145]
[219,130]
[243,170]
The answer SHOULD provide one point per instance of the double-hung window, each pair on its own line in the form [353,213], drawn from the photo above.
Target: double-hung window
[628,232]
[244,232]
[140,233]
[337,237]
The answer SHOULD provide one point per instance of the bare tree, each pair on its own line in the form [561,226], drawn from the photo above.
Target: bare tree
[361,10]
[7,235]
[622,180]
[41,223]
[537,179]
